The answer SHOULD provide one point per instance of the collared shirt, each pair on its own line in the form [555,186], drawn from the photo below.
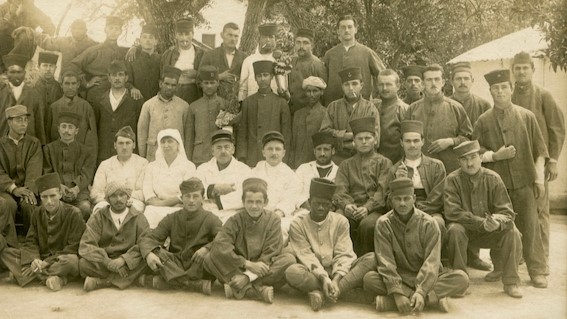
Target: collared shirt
[17,90]
[115,101]
[229,57]
[118,219]
[16,141]
[416,179]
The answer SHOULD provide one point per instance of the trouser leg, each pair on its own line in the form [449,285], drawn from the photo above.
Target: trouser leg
[543,217]
[525,206]
[210,267]
[11,258]
[98,270]
[457,243]
[64,266]
[27,210]
[509,252]
[451,283]
[298,276]
[354,278]
[366,234]
[276,275]
[374,283]
[8,207]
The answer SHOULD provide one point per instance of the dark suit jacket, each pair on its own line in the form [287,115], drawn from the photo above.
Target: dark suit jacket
[217,58]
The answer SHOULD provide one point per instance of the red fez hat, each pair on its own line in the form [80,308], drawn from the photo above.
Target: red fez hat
[363,124]
[47,57]
[322,138]
[411,126]
[263,66]
[322,188]
[48,181]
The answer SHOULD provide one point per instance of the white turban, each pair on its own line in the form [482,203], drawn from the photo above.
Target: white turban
[314,81]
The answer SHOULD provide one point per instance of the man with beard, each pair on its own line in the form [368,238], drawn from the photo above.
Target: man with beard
[203,113]
[20,165]
[185,57]
[266,47]
[71,102]
[350,54]
[445,122]
[165,110]
[48,89]
[306,122]
[191,231]
[408,250]
[109,249]
[223,174]
[74,163]
[462,80]
[16,92]
[303,66]
[413,83]
[125,166]
[362,184]
[92,64]
[322,167]
[50,250]
[551,123]
[392,111]
[322,244]
[516,150]
[246,255]
[352,106]
[114,110]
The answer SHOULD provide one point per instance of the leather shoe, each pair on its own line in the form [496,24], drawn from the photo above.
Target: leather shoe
[495,275]
[479,264]
[513,291]
[539,281]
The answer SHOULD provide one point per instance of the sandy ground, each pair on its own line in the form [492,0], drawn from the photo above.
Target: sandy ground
[486,300]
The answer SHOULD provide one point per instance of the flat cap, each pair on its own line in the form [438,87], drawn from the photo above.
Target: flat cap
[16,110]
[47,181]
[272,136]
[466,148]
[222,135]
[171,72]
[208,73]
[314,81]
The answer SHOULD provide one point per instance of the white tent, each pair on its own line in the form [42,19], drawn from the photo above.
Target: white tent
[498,54]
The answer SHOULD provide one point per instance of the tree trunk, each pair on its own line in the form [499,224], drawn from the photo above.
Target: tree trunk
[254,16]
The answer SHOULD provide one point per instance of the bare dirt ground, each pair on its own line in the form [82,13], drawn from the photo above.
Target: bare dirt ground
[486,300]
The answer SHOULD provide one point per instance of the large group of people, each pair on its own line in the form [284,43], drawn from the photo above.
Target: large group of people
[173,170]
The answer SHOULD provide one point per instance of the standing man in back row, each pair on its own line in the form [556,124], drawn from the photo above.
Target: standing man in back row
[350,53]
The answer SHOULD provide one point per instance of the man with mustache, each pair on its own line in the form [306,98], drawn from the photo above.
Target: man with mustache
[223,174]
[186,57]
[350,107]
[266,47]
[361,185]
[413,83]
[49,252]
[306,122]
[321,243]
[427,174]
[109,249]
[480,214]
[303,66]
[392,111]
[322,167]
[551,123]
[73,161]
[284,186]
[513,146]
[17,92]
[46,86]
[114,110]
[462,80]
[350,53]
[445,122]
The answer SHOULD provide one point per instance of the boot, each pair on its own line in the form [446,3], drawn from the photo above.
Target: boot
[316,299]
[385,303]
[55,283]
[92,283]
